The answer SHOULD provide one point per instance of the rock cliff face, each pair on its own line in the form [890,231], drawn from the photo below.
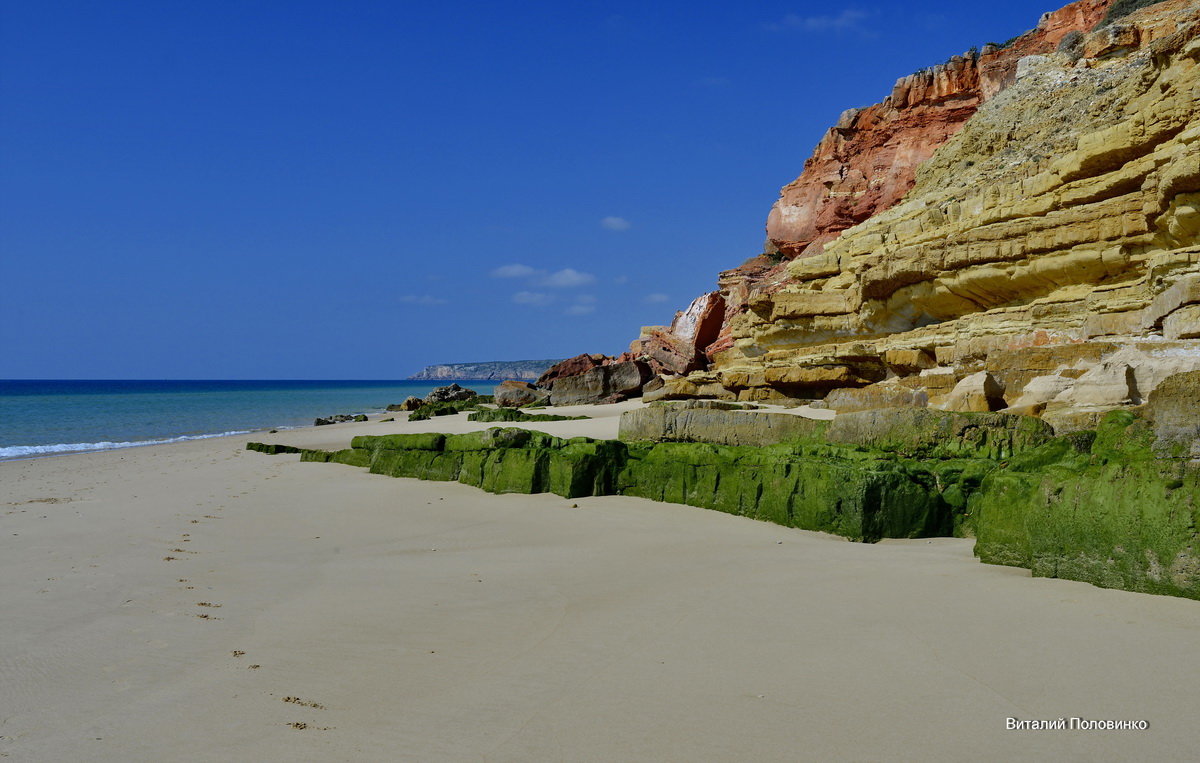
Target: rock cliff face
[867,161]
[1017,229]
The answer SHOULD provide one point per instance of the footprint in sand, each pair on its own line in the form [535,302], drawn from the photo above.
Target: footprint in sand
[304,703]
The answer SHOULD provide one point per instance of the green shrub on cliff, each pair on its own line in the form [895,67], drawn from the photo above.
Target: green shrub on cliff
[1122,8]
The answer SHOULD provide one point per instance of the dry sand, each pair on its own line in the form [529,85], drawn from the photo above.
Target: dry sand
[198,602]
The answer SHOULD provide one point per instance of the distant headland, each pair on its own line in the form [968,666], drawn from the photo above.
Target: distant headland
[498,370]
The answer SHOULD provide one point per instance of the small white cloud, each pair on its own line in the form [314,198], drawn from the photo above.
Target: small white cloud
[849,20]
[567,278]
[581,309]
[616,223]
[656,298]
[534,298]
[514,271]
[423,299]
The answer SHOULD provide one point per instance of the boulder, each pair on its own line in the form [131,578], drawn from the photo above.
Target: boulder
[411,403]
[601,384]
[517,394]
[450,394]
[979,392]
[570,367]
[337,418]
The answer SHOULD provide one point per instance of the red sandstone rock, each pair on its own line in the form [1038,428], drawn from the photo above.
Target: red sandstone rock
[868,160]
[571,367]
[680,348]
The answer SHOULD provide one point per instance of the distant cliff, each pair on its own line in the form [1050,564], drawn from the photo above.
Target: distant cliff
[495,369]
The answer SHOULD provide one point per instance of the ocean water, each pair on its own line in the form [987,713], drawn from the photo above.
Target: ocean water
[43,417]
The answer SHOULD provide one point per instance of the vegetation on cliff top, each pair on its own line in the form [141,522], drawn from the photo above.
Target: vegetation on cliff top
[1122,8]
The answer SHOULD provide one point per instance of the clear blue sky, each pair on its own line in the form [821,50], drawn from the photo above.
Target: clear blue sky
[357,189]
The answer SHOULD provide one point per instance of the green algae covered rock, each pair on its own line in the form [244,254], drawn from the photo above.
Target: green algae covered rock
[423,441]
[1116,514]
[271,449]
[712,422]
[811,486]
[512,414]
[1117,507]
[924,433]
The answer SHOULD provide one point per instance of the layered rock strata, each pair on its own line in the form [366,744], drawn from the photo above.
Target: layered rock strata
[1051,243]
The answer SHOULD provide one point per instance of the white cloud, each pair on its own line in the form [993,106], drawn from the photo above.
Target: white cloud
[514,271]
[656,298]
[534,298]
[616,223]
[847,21]
[566,279]
[581,309]
[423,299]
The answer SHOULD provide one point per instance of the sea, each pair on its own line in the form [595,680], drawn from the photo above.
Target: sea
[54,417]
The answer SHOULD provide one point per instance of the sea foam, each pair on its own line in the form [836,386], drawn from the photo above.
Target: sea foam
[26,451]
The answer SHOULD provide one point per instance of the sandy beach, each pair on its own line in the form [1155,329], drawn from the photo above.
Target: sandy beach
[195,601]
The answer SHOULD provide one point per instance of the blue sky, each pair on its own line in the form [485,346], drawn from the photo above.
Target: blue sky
[358,189]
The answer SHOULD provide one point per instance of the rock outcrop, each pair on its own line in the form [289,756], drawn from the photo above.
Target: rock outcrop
[517,394]
[450,394]
[609,383]
[681,348]
[1117,507]
[989,237]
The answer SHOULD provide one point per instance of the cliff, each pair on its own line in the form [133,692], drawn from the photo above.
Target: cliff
[497,370]
[867,162]
[1017,229]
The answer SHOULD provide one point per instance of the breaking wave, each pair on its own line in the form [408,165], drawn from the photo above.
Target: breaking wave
[25,451]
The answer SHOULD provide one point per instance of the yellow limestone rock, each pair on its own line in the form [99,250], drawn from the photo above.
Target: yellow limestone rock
[1060,224]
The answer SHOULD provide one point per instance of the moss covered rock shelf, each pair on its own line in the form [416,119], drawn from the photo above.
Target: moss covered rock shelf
[1103,507]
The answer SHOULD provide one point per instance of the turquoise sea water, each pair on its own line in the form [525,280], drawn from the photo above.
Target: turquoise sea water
[44,417]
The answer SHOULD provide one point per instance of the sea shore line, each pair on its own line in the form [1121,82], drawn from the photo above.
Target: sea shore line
[196,601]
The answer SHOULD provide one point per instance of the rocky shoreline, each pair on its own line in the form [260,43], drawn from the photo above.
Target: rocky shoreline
[1113,507]
[1030,259]
[1004,328]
